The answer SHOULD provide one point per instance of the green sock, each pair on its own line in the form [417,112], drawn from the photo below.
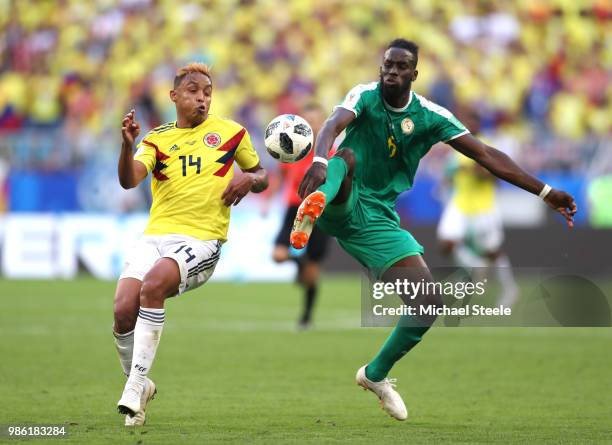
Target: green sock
[402,339]
[336,172]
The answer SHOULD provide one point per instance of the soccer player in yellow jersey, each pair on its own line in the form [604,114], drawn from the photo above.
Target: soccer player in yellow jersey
[193,186]
[470,227]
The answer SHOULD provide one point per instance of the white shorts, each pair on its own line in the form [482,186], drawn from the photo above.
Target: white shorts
[196,258]
[485,230]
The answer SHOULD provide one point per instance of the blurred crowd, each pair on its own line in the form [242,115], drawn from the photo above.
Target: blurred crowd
[537,71]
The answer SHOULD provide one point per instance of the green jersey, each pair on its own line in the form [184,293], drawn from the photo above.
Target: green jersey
[389,142]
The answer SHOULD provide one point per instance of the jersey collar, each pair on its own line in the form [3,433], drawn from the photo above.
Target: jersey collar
[208,119]
[399,110]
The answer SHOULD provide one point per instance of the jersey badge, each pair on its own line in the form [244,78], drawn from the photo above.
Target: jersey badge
[407,126]
[212,140]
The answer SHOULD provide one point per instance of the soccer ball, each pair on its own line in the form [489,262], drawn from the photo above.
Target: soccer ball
[288,138]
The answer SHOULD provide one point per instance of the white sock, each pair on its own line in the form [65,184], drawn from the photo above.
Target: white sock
[503,269]
[125,345]
[510,290]
[147,333]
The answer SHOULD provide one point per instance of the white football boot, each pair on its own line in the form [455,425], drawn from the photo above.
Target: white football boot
[390,400]
[130,399]
[148,394]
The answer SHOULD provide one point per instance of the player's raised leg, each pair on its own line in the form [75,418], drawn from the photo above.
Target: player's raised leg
[161,282]
[335,190]
[404,337]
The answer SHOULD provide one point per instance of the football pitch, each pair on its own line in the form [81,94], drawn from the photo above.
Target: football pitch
[232,368]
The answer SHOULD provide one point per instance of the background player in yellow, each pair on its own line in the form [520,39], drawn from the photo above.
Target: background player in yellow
[193,186]
[470,228]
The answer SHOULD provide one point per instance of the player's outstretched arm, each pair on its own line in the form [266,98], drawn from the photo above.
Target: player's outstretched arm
[333,126]
[253,180]
[131,172]
[505,168]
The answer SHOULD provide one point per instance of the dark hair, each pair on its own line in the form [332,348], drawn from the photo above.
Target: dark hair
[407,45]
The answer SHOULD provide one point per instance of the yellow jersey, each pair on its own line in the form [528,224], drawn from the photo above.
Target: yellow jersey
[474,189]
[191,168]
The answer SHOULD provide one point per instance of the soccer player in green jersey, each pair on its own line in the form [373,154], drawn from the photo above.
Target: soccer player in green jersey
[389,128]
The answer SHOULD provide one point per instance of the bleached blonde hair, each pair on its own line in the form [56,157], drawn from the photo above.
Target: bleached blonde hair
[193,67]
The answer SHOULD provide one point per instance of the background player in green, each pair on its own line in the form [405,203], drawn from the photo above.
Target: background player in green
[389,128]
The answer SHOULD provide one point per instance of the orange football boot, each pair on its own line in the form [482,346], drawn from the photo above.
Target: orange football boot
[309,211]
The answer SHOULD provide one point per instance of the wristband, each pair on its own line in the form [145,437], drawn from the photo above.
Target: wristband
[320,159]
[545,191]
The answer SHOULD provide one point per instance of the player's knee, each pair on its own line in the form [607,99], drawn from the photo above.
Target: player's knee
[310,274]
[349,157]
[152,292]
[446,247]
[492,255]
[125,317]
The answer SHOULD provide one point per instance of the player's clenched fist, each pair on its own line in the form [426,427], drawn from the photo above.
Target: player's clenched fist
[130,128]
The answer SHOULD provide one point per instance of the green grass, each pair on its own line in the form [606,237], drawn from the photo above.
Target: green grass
[231,369]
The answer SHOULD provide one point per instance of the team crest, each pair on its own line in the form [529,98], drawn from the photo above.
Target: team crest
[407,126]
[212,140]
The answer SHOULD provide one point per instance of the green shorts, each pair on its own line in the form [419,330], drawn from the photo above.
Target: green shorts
[369,230]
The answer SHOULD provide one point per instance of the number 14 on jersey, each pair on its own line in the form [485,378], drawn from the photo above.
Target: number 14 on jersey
[193,162]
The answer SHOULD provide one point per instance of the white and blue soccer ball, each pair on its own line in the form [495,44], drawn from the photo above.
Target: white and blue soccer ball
[288,138]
